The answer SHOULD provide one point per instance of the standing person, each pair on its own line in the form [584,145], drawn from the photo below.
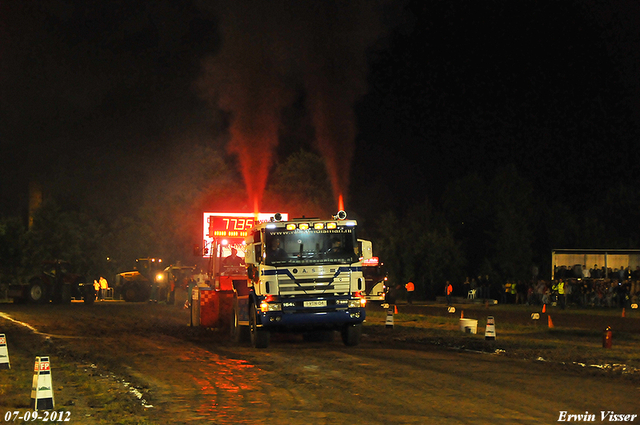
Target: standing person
[473,286]
[506,290]
[448,289]
[554,293]
[410,288]
[103,288]
[513,291]
[190,285]
[561,295]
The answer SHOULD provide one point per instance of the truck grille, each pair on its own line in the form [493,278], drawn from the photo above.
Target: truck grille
[316,286]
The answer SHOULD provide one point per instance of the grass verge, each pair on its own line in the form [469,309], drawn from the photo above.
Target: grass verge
[534,341]
[91,396]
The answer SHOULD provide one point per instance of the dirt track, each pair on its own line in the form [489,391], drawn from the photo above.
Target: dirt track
[189,375]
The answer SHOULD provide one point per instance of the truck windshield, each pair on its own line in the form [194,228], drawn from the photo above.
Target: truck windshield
[310,247]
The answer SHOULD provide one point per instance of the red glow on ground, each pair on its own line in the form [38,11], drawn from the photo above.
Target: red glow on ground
[340,203]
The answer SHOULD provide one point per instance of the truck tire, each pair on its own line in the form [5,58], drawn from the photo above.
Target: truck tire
[259,336]
[38,292]
[130,293]
[136,292]
[351,334]
[238,333]
[234,326]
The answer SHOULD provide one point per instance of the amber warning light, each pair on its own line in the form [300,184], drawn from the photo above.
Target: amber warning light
[373,261]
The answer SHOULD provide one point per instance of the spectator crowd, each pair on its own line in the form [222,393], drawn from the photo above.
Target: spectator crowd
[577,286]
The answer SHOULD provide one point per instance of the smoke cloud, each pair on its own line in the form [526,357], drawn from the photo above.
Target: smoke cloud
[272,50]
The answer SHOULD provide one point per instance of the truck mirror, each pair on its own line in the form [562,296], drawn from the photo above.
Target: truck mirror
[365,248]
[250,255]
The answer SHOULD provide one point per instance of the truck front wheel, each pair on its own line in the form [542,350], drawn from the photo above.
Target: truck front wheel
[351,334]
[234,328]
[131,293]
[238,333]
[259,336]
[38,293]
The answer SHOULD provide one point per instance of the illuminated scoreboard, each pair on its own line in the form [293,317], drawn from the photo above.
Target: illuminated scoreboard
[231,228]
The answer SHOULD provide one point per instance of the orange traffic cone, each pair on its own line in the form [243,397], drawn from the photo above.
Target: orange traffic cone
[544,308]
[462,314]
[623,312]
[395,309]
[550,322]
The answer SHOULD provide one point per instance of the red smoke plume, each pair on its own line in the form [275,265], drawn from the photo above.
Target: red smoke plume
[270,50]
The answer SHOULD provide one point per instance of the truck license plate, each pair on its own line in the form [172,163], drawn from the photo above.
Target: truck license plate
[319,303]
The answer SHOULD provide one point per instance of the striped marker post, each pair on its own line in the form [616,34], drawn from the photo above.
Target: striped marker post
[42,388]
[4,353]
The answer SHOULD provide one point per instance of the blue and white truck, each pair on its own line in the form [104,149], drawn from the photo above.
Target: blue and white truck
[304,275]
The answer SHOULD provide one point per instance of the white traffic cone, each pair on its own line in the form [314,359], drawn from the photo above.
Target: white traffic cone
[4,353]
[490,330]
[42,388]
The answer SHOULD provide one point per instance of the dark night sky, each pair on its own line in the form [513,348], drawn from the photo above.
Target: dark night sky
[549,86]
[92,94]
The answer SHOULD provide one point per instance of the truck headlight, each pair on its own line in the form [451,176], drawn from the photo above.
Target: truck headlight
[356,303]
[266,307]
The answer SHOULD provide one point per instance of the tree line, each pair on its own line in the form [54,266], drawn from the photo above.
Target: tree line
[499,227]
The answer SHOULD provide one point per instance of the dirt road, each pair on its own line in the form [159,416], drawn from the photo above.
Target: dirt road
[185,375]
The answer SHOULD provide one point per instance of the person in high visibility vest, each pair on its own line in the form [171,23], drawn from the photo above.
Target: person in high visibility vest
[103,288]
[448,290]
[410,288]
[96,287]
[554,293]
[513,292]
[561,298]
